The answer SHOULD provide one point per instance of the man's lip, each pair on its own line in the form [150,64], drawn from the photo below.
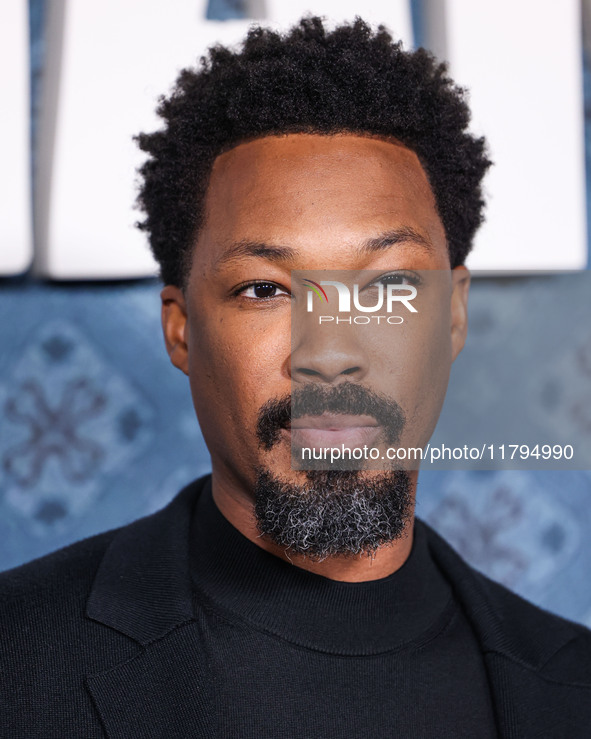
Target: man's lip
[334,429]
[350,436]
[334,422]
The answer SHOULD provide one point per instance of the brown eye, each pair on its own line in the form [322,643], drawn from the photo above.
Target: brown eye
[262,291]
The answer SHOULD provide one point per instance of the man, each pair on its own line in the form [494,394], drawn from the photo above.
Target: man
[268,599]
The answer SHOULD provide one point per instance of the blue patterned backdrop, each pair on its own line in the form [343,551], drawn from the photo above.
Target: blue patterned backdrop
[97,429]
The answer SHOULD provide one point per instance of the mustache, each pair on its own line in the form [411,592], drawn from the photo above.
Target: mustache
[314,399]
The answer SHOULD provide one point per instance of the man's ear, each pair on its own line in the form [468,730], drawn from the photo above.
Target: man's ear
[174,326]
[459,309]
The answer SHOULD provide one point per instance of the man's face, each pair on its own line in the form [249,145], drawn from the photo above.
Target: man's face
[310,203]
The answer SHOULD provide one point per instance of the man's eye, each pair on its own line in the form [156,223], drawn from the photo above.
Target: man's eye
[261,291]
[399,278]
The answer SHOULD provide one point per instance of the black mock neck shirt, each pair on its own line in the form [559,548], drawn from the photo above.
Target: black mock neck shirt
[295,655]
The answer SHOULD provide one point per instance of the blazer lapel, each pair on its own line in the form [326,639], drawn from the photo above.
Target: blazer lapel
[518,641]
[527,705]
[143,590]
[160,693]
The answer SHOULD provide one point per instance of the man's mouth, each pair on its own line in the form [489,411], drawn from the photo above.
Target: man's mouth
[334,429]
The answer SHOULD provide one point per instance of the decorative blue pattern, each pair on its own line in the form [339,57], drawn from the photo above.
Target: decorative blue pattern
[527,530]
[97,426]
[70,419]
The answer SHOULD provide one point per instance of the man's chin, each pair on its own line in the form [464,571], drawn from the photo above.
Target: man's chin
[322,513]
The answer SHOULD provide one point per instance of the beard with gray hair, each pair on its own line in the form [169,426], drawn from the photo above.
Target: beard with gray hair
[339,511]
[334,512]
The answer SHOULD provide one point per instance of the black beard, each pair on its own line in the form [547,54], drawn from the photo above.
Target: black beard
[334,512]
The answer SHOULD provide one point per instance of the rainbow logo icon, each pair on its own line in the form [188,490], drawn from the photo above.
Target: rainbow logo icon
[316,288]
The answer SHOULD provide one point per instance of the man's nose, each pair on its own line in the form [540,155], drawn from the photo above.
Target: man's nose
[330,356]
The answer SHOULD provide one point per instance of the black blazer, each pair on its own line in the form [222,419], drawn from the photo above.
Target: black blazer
[99,639]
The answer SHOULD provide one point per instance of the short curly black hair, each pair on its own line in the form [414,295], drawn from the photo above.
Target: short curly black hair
[351,79]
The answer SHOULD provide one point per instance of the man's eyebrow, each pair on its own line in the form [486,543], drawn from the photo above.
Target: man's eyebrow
[404,235]
[279,253]
[245,248]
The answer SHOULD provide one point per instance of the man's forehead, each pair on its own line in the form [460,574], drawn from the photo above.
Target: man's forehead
[307,170]
[270,196]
